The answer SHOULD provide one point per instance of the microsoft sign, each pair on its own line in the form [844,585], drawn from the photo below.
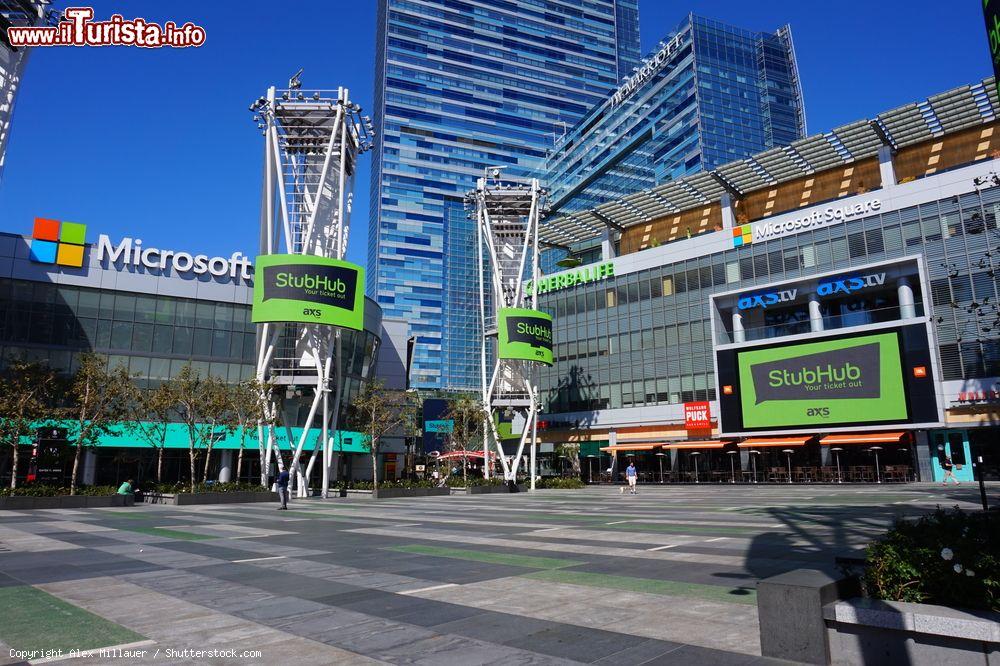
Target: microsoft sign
[776,228]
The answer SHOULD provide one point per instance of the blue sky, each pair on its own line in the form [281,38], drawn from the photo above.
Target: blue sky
[159,143]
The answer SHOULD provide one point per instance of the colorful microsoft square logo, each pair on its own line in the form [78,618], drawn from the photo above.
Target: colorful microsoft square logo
[742,235]
[60,243]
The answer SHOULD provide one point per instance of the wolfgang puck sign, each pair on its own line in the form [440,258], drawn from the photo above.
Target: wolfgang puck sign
[697,415]
[309,290]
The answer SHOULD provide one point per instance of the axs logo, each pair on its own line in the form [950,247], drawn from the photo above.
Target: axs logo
[822,412]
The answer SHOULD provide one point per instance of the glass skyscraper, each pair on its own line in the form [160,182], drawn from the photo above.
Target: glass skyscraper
[709,94]
[460,86]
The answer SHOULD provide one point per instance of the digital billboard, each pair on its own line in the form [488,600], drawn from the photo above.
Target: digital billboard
[820,383]
[308,290]
[525,335]
[880,377]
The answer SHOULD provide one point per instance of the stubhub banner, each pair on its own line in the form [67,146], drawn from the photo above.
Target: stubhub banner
[308,290]
[525,335]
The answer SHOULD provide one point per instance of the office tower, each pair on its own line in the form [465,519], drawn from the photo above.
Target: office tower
[710,93]
[459,88]
[13,59]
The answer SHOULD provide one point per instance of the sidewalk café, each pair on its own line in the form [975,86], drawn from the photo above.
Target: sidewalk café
[881,457]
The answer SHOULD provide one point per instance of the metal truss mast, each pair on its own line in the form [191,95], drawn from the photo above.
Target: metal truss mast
[312,139]
[507,213]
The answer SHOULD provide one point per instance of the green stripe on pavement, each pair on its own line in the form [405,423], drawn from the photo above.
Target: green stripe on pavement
[169,533]
[738,595]
[683,529]
[529,561]
[36,620]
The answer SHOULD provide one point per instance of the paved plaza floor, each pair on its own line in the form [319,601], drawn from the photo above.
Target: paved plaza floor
[664,577]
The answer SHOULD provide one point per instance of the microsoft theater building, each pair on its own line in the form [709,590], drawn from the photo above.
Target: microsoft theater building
[65,290]
[823,311]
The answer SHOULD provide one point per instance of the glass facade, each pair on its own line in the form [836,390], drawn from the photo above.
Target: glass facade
[645,338]
[715,93]
[153,336]
[461,86]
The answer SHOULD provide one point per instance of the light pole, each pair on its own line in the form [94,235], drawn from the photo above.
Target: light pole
[732,466]
[590,463]
[836,456]
[753,462]
[788,455]
[875,450]
[696,454]
[660,456]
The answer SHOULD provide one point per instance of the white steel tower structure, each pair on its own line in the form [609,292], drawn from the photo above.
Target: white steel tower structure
[312,139]
[507,214]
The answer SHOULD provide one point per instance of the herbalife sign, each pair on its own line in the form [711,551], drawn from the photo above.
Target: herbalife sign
[572,278]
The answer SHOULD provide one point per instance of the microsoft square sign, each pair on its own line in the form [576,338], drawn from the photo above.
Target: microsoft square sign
[308,290]
[60,243]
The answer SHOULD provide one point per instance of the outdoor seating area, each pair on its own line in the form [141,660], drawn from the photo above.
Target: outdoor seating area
[843,458]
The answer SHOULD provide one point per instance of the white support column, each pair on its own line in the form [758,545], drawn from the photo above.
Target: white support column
[225,466]
[815,314]
[739,333]
[907,305]
[728,216]
[608,245]
[885,167]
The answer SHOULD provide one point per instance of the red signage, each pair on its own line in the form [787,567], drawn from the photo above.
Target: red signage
[697,415]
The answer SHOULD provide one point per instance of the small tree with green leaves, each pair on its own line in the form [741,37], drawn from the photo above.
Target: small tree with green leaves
[200,404]
[467,415]
[26,391]
[97,403]
[247,407]
[378,412]
[151,411]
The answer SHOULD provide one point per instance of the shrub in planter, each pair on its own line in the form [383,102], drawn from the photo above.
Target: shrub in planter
[43,490]
[175,488]
[949,558]
[561,483]
[385,485]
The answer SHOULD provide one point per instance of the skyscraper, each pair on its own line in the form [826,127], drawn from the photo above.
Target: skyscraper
[709,94]
[13,59]
[460,86]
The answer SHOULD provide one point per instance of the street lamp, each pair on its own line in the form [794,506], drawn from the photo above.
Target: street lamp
[660,456]
[753,462]
[788,455]
[732,466]
[875,450]
[696,454]
[590,464]
[836,456]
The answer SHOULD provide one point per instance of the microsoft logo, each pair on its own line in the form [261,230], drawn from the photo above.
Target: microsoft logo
[58,243]
[742,235]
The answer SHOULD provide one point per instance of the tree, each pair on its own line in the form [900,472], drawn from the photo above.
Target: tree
[98,402]
[467,415]
[377,412]
[247,406]
[26,390]
[571,452]
[200,405]
[150,419]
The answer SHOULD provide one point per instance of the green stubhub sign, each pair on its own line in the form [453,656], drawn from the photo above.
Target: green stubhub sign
[857,380]
[309,290]
[525,335]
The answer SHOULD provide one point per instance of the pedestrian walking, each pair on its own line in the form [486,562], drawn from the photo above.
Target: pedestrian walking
[283,489]
[949,473]
[632,476]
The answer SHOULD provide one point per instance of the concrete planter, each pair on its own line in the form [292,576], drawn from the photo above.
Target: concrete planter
[186,499]
[870,631]
[391,493]
[488,490]
[65,502]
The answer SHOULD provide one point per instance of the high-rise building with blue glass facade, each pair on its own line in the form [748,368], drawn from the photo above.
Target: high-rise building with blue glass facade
[459,86]
[709,94]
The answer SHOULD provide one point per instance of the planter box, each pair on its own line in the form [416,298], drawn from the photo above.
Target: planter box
[186,499]
[871,631]
[488,490]
[65,502]
[391,493]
